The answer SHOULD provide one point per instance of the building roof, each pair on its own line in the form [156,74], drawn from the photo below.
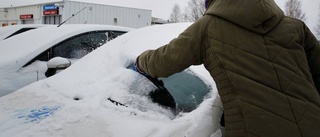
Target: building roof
[158,21]
[20,3]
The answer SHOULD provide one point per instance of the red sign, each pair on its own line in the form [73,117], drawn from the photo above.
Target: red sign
[26,16]
[50,12]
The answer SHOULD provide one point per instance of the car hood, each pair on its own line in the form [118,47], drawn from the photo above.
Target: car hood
[76,101]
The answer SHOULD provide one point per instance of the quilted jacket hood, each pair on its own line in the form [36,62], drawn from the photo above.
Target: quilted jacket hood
[259,16]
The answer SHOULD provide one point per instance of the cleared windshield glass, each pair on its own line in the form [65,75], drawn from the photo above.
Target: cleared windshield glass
[181,92]
[187,90]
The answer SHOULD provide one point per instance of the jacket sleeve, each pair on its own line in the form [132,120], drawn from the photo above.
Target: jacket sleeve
[312,49]
[178,54]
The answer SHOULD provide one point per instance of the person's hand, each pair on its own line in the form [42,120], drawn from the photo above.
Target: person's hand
[135,68]
[160,95]
[155,81]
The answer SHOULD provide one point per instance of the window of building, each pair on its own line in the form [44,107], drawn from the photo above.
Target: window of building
[115,21]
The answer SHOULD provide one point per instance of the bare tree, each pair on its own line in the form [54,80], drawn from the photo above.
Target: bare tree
[176,15]
[195,10]
[317,29]
[293,9]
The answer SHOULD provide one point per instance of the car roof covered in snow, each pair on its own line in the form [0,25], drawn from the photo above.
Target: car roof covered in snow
[7,31]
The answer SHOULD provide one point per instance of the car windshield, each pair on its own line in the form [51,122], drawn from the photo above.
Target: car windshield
[187,90]
[180,92]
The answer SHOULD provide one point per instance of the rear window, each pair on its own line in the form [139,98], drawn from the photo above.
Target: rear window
[19,31]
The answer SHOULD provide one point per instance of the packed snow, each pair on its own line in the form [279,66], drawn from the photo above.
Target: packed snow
[75,101]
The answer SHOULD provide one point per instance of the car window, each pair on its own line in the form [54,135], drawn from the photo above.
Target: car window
[114,34]
[80,45]
[77,46]
[19,31]
[44,56]
[187,89]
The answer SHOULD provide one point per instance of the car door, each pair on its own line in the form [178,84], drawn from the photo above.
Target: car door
[80,45]
[77,46]
[72,48]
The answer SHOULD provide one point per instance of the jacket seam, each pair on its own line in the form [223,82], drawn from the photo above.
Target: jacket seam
[274,68]
[294,116]
[266,85]
[304,112]
[276,56]
[238,48]
[270,61]
[283,48]
[236,96]
[294,122]
[285,88]
[204,37]
[252,80]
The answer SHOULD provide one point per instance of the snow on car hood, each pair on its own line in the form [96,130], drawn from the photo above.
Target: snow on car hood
[75,102]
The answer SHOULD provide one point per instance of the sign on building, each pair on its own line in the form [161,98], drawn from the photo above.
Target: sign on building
[26,16]
[50,10]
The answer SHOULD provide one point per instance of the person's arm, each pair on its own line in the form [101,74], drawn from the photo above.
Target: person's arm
[312,49]
[179,54]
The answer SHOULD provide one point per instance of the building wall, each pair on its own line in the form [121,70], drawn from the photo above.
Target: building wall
[12,15]
[105,14]
[83,13]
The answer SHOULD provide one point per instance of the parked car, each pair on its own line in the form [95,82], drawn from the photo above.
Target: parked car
[23,58]
[100,96]
[9,31]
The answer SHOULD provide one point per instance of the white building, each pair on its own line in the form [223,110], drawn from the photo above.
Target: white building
[73,12]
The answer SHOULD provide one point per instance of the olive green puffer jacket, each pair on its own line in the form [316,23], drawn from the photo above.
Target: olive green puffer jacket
[266,67]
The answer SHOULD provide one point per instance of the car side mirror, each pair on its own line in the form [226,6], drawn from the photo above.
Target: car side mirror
[56,63]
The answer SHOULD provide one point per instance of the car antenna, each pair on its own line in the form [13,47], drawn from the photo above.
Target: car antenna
[71,16]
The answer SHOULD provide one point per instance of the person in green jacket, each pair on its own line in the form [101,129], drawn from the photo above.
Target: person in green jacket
[266,67]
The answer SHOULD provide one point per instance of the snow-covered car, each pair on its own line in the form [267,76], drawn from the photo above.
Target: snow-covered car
[23,58]
[9,31]
[101,96]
